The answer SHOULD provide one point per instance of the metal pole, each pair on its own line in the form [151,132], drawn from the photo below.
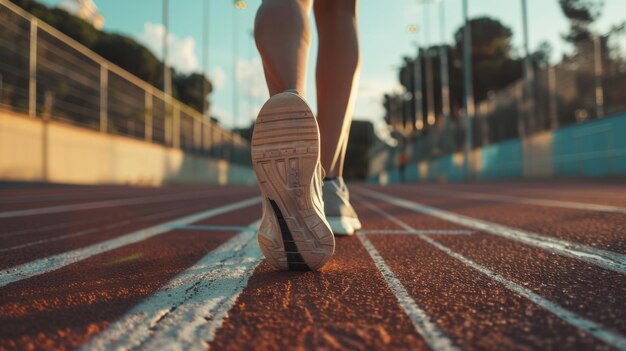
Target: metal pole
[206,129]
[528,106]
[235,71]
[554,117]
[430,93]
[469,89]
[148,116]
[445,75]
[32,58]
[599,94]
[176,127]
[104,86]
[205,54]
[417,73]
[167,76]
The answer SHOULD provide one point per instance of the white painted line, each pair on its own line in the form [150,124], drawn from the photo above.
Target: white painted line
[423,323]
[590,327]
[105,204]
[531,201]
[602,258]
[186,313]
[230,228]
[417,232]
[47,264]
[94,230]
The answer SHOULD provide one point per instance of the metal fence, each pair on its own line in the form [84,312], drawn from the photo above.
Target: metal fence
[584,86]
[46,74]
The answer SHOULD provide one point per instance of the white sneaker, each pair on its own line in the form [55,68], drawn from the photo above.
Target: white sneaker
[294,233]
[340,214]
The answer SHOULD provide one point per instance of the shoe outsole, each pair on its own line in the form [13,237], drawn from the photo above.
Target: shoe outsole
[285,155]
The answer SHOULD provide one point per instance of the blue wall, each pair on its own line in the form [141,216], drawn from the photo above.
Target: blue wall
[591,149]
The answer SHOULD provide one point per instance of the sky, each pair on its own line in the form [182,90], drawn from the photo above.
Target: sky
[384,40]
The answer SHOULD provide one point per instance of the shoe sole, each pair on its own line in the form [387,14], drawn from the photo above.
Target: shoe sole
[285,155]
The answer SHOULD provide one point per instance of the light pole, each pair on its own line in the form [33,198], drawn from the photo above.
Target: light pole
[469,89]
[430,86]
[417,78]
[167,76]
[528,107]
[205,55]
[443,61]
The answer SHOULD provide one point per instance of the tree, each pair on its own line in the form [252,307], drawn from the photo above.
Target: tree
[189,90]
[131,56]
[493,65]
[581,14]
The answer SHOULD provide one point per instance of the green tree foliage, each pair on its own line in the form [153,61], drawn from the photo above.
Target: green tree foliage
[124,52]
[189,90]
[581,14]
[130,55]
[493,65]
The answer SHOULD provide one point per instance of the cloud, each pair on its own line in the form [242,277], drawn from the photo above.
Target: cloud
[218,77]
[251,79]
[369,103]
[181,51]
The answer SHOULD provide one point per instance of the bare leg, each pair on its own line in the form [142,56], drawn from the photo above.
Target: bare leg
[282,32]
[338,64]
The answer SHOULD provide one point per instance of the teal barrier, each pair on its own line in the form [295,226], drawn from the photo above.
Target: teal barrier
[502,161]
[591,149]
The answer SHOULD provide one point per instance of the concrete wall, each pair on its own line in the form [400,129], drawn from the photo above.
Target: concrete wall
[33,150]
[591,149]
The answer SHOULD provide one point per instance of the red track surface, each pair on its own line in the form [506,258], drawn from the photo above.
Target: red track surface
[350,304]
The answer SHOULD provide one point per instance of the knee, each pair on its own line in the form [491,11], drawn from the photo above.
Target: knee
[274,15]
[330,7]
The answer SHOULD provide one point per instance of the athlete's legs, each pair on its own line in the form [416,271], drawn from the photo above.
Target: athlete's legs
[282,32]
[338,64]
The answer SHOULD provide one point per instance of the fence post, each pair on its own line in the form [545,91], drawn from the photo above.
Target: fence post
[148,117]
[554,117]
[32,71]
[104,87]
[176,126]
[599,91]
[197,134]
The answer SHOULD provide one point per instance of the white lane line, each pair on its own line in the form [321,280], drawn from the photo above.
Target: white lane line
[423,323]
[616,340]
[417,232]
[231,228]
[186,313]
[105,204]
[602,258]
[95,230]
[531,201]
[47,264]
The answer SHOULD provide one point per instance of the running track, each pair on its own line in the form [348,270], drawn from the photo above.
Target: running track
[496,266]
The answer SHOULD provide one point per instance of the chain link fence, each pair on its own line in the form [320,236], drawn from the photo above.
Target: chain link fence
[45,74]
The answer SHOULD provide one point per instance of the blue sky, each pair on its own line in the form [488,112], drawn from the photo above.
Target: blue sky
[383,32]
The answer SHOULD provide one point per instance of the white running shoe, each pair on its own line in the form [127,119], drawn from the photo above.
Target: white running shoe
[294,233]
[340,214]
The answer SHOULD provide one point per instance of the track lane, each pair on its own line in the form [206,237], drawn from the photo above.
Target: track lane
[596,229]
[64,308]
[82,206]
[479,311]
[576,285]
[346,305]
[607,192]
[114,224]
